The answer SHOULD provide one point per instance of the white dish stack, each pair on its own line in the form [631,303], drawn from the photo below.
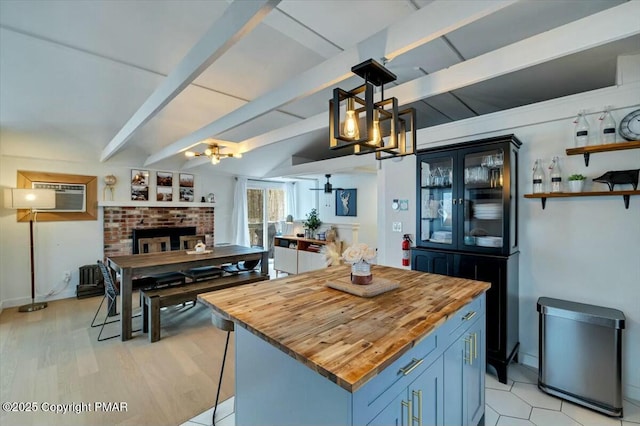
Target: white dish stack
[489,241]
[487,211]
[441,237]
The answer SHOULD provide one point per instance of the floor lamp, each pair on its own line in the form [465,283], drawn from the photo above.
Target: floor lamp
[30,199]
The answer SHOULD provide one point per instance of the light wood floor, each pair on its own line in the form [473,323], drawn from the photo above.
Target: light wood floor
[52,356]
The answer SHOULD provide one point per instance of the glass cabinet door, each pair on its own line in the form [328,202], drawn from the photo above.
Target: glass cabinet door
[482,199]
[436,199]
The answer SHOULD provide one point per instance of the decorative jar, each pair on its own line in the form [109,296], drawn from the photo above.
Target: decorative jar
[361,273]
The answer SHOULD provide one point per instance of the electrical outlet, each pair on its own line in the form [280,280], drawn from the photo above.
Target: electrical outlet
[67,276]
[396,227]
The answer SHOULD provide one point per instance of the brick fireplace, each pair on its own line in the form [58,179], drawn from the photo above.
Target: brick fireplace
[119,223]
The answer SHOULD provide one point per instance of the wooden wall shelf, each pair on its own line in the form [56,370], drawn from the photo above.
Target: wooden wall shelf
[543,197]
[587,150]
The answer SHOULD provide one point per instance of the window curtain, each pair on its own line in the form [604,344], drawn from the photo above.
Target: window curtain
[240,219]
[291,199]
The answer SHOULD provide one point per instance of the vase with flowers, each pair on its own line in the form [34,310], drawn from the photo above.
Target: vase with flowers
[360,257]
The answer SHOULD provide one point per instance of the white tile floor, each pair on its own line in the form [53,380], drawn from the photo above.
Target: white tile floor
[518,403]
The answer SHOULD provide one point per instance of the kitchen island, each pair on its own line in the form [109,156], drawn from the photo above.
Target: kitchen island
[308,354]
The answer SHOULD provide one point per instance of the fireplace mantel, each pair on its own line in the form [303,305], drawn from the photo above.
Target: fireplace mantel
[168,204]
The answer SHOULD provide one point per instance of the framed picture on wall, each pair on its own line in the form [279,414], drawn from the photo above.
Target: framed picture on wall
[164,179]
[164,186]
[186,187]
[164,193]
[346,202]
[139,185]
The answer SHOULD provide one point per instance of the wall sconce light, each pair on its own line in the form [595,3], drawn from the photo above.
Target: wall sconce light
[214,154]
[355,120]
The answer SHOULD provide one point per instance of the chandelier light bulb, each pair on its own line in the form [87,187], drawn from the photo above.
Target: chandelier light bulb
[350,128]
[190,154]
[208,151]
[376,138]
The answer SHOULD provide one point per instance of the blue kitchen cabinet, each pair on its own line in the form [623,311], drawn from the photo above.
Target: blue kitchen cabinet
[420,403]
[464,374]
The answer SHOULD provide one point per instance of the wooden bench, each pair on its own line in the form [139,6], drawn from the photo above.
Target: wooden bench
[154,299]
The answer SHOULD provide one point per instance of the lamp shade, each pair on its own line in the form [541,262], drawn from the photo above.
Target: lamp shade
[19,198]
[289,219]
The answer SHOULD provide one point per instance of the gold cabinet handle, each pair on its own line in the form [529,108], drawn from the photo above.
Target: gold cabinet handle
[475,345]
[419,418]
[469,359]
[411,366]
[469,316]
[409,412]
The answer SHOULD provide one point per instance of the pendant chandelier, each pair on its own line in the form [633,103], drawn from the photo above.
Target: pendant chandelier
[355,120]
[213,152]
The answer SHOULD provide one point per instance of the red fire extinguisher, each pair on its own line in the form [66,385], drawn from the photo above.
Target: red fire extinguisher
[406,249]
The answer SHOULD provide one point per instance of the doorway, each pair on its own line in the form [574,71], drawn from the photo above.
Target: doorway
[266,213]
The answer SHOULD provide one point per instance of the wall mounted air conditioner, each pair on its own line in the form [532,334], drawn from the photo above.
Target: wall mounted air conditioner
[70,198]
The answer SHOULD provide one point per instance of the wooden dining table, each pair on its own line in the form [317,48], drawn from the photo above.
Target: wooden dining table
[130,266]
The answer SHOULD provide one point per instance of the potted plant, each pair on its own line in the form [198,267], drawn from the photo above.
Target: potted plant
[313,222]
[576,182]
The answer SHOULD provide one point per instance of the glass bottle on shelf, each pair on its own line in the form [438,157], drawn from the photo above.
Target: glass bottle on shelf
[555,175]
[607,127]
[581,132]
[538,177]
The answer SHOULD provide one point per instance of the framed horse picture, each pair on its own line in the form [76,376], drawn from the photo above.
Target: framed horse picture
[346,202]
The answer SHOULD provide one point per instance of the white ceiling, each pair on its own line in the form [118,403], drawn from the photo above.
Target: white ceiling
[78,71]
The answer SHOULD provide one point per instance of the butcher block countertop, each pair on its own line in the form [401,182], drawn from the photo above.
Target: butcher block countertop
[346,338]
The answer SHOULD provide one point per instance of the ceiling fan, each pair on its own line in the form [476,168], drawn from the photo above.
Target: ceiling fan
[328,188]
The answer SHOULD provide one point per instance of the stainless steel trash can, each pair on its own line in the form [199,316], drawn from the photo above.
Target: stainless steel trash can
[579,354]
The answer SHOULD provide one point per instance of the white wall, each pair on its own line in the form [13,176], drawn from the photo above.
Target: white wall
[366,210]
[396,180]
[580,249]
[65,246]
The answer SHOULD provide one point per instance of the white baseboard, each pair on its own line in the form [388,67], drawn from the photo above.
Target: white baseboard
[528,360]
[11,303]
[631,392]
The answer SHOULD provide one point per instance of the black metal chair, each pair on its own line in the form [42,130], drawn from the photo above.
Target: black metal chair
[111,292]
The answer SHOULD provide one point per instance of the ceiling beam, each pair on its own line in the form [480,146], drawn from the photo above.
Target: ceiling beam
[604,27]
[238,20]
[432,21]
[613,24]
[296,30]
